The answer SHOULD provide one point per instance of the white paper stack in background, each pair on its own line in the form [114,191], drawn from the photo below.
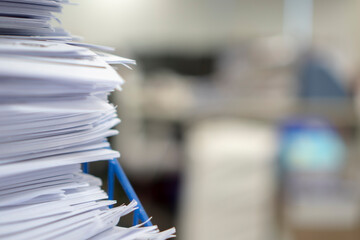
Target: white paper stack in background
[54,116]
[230,185]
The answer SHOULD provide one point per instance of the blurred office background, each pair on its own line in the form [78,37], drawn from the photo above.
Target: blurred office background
[240,120]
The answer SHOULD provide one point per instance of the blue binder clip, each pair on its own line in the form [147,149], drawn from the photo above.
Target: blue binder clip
[114,169]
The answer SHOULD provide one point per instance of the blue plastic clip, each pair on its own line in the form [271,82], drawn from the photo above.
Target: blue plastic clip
[85,167]
[114,168]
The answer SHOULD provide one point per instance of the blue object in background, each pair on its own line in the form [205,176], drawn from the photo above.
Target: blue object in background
[317,80]
[311,146]
[312,156]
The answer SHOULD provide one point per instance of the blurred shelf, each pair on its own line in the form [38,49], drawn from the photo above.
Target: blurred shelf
[336,112]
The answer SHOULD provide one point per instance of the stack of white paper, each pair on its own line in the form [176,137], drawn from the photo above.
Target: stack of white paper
[30,17]
[54,116]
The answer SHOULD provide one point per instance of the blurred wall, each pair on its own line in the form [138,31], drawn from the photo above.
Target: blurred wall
[186,25]
[173,25]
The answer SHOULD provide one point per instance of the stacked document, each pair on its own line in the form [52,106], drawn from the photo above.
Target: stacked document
[54,116]
[30,18]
